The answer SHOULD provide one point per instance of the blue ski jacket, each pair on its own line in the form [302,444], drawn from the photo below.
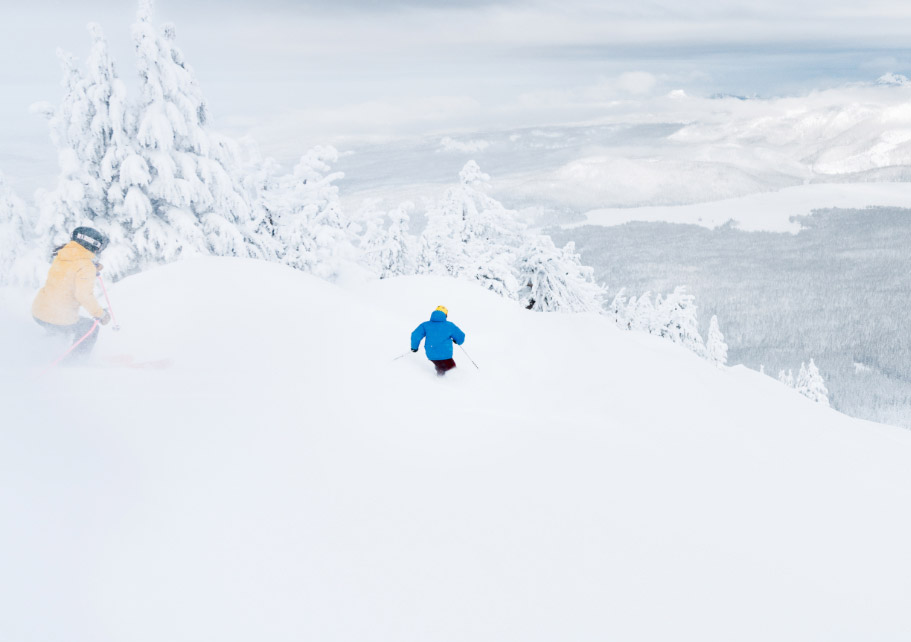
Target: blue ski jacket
[440,334]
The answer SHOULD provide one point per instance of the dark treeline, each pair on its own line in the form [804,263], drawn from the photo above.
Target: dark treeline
[838,292]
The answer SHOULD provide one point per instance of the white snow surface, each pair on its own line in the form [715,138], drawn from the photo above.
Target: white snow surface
[768,211]
[286,479]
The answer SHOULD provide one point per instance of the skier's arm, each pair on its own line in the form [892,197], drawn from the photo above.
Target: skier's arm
[457,335]
[85,294]
[416,337]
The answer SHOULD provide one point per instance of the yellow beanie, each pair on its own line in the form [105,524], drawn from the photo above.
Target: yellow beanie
[442,308]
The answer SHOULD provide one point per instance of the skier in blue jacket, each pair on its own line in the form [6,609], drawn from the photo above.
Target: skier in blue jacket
[440,335]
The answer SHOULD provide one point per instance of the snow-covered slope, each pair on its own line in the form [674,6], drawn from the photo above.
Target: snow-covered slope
[286,479]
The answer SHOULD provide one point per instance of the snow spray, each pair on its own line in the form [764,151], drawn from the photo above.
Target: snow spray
[72,347]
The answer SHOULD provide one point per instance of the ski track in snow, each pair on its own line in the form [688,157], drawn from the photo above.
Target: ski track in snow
[286,479]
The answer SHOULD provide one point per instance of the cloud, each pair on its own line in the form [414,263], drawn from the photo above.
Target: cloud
[332,68]
[448,144]
[606,92]
[289,133]
[637,82]
[426,27]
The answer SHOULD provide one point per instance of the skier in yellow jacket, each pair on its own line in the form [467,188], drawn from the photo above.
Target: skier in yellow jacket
[69,286]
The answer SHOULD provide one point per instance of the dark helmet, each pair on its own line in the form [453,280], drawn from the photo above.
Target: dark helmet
[90,238]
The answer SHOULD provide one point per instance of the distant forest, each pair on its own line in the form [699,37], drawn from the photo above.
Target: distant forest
[838,292]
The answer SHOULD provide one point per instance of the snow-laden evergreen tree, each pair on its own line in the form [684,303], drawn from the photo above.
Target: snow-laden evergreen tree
[619,311]
[183,192]
[672,317]
[373,239]
[150,176]
[391,251]
[108,144]
[78,197]
[716,348]
[471,235]
[22,261]
[493,267]
[262,182]
[787,378]
[552,278]
[307,216]
[641,313]
[811,385]
[678,320]
[90,130]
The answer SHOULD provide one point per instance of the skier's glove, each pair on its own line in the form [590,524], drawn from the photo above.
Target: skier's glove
[106,319]
[414,349]
[98,268]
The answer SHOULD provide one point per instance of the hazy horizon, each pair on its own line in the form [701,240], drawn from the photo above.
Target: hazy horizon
[293,75]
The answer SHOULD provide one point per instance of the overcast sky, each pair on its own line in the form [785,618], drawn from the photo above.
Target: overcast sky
[334,68]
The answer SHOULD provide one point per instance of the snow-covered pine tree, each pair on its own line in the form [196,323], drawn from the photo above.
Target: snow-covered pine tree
[811,385]
[261,180]
[22,262]
[493,267]
[402,246]
[444,241]
[308,220]
[678,320]
[553,279]
[373,239]
[78,197]
[109,126]
[641,313]
[90,130]
[619,310]
[716,348]
[109,144]
[787,378]
[183,191]
[471,235]
[391,251]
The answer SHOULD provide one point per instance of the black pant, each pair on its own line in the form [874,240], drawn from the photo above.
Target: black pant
[443,365]
[75,331]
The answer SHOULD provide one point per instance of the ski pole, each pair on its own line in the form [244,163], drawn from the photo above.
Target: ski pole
[468,355]
[115,327]
[72,347]
[400,356]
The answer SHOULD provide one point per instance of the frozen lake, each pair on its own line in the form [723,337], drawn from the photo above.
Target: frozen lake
[836,292]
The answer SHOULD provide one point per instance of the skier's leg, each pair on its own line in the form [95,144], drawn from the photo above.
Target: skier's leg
[79,330]
[73,332]
[444,365]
